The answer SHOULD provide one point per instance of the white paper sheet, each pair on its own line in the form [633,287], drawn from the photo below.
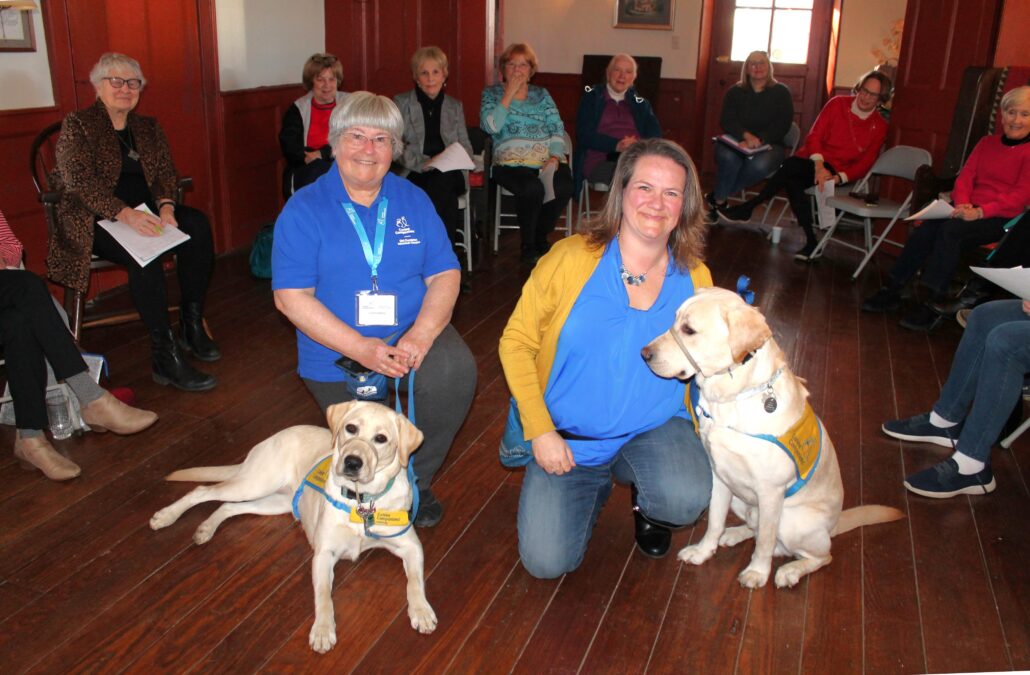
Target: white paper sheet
[1015,280]
[935,210]
[453,158]
[825,213]
[547,178]
[142,248]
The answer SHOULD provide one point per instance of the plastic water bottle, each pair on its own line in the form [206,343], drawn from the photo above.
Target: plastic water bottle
[60,416]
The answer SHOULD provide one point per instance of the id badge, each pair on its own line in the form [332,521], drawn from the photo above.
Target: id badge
[376,308]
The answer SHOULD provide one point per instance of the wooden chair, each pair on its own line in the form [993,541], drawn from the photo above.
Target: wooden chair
[42,163]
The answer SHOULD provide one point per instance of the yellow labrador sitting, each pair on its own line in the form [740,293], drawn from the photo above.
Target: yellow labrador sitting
[772,460]
[358,499]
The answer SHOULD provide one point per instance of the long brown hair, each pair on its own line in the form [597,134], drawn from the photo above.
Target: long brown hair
[687,240]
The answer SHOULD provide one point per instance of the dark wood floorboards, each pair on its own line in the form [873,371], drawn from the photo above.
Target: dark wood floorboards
[86,586]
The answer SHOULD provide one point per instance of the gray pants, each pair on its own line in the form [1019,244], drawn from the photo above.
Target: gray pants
[444,386]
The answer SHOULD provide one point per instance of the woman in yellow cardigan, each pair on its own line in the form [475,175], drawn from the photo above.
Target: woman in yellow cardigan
[588,403]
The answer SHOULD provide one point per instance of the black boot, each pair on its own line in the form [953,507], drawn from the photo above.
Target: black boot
[193,335]
[653,536]
[171,367]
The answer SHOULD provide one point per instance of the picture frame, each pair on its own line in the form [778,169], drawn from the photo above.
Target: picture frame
[645,14]
[16,31]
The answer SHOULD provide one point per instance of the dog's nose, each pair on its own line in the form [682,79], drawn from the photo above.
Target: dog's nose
[352,464]
[647,353]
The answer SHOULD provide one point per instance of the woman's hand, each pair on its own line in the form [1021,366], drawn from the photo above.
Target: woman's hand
[416,345]
[146,224]
[822,175]
[967,212]
[625,143]
[514,83]
[552,453]
[1026,306]
[750,141]
[376,355]
[312,155]
[167,215]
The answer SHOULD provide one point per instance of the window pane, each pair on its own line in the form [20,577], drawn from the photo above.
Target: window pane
[754,3]
[750,32]
[794,4]
[790,36]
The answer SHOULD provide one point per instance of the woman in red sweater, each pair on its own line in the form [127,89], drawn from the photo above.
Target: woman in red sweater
[842,146]
[992,189]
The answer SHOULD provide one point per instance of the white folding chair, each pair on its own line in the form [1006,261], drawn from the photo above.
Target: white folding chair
[584,198]
[466,231]
[900,162]
[501,193]
[791,141]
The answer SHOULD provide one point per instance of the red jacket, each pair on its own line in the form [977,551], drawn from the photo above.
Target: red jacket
[996,178]
[845,140]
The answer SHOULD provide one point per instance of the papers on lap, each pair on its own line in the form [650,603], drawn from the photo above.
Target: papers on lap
[143,249]
[453,158]
[935,210]
[733,143]
[1015,280]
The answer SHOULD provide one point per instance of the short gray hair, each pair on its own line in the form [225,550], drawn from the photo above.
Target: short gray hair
[1015,97]
[114,60]
[365,109]
[625,57]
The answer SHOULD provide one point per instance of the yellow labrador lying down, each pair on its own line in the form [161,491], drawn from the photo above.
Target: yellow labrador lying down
[772,460]
[365,503]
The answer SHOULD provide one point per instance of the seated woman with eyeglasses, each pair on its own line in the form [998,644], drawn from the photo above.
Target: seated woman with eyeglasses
[362,266]
[110,161]
[842,146]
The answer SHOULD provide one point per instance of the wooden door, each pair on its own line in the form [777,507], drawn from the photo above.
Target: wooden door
[804,79]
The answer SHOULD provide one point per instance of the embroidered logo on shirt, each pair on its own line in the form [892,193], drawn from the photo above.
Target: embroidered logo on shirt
[406,233]
[403,227]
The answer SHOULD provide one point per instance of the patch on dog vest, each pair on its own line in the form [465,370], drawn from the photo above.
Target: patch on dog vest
[319,474]
[377,517]
[803,443]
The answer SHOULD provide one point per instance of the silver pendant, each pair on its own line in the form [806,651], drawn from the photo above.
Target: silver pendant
[133,155]
[769,402]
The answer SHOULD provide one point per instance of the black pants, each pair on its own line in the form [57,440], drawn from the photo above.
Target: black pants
[32,333]
[536,219]
[308,173]
[443,188]
[794,176]
[444,386]
[937,246]
[1014,248]
[147,284]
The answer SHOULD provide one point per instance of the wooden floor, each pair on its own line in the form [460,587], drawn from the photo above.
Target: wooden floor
[85,585]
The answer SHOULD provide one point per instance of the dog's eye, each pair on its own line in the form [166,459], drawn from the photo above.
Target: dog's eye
[380,438]
[351,428]
[687,330]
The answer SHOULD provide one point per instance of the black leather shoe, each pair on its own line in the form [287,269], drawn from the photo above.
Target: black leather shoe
[193,334]
[171,367]
[922,318]
[430,511]
[886,299]
[653,538]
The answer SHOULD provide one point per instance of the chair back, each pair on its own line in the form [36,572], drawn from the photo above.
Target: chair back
[43,157]
[649,74]
[901,161]
[793,138]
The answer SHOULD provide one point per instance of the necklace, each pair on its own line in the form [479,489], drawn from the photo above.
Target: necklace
[130,146]
[631,279]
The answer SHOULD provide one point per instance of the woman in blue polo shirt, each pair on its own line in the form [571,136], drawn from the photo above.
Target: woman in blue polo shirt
[362,266]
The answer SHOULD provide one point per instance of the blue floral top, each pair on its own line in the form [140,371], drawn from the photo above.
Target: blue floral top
[528,132]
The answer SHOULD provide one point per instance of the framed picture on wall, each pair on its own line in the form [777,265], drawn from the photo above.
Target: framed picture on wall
[16,34]
[650,14]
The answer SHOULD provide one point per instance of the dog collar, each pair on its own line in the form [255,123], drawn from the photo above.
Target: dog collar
[764,388]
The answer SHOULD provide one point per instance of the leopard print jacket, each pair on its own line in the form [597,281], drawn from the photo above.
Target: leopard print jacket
[89,161]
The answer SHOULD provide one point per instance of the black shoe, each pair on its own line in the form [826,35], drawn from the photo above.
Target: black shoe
[965,301]
[430,511]
[193,335]
[735,215]
[529,256]
[171,367]
[886,299]
[653,538]
[922,318]
[805,254]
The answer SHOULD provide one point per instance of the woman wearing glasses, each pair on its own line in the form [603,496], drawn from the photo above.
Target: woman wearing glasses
[109,162]
[362,266]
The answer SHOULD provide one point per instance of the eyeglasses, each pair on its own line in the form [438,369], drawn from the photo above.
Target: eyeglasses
[863,90]
[513,65]
[359,141]
[118,82]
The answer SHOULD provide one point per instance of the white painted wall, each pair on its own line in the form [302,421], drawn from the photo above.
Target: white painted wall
[863,26]
[266,42]
[25,76]
[562,31]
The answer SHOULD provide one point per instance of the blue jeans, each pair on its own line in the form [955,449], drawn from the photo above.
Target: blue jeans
[669,467]
[987,375]
[734,171]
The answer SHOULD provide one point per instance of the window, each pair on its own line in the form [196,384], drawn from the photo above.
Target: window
[779,27]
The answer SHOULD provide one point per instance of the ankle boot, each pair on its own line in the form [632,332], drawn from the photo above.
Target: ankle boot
[171,367]
[107,413]
[193,333]
[36,452]
[653,536]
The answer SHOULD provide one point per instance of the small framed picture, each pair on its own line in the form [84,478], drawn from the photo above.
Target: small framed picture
[648,14]
[16,34]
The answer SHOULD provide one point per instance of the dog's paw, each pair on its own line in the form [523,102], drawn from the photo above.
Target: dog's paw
[734,535]
[322,637]
[204,533]
[162,518]
[788,576]
[695,555]
[751,578]
[423,618]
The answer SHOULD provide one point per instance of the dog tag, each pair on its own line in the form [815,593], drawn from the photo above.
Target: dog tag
[769,402]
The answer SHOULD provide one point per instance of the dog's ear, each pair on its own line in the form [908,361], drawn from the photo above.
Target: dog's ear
[335,414]
[409,438]
[747,331]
